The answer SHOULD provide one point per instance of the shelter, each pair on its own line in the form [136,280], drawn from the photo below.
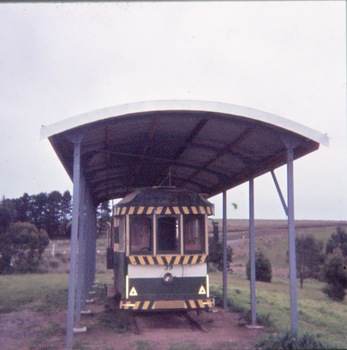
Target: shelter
[206,147]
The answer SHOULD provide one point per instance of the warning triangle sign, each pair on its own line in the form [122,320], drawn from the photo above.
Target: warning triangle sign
[133,292]
[202,290]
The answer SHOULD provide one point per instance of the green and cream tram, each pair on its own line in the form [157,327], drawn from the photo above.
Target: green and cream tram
[158,250]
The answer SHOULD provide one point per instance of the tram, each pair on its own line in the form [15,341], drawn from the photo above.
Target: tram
[158,250]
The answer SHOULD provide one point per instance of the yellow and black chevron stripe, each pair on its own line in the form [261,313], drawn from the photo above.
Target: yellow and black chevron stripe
[167,259]
[143,210]
[168,304]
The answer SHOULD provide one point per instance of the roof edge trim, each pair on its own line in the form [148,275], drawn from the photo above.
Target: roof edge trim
[188,105]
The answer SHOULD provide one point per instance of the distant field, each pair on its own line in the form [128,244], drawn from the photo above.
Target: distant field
[272,238]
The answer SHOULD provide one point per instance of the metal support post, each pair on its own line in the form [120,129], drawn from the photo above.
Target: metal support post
[80,293]
[252,253]
[93,247]
[90,257]
[73,243]
[88,244]
[291,241]
[225,253]
[278,188]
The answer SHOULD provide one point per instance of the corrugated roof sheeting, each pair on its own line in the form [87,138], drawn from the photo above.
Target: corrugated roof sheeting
[198,149]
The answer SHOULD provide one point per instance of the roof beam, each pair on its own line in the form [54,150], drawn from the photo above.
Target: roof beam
[146,161]
[145,147]
[118,188]
[223,151]
[190,138]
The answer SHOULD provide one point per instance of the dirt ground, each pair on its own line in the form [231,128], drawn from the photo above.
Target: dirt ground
[28,329]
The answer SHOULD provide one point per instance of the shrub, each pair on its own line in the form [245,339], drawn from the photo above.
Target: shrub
[263,269]
[24,245]
[262,319]
[337,240]
[335,275]
[54,264]
[113,318]
[309,257]
[215,256]
[290,340]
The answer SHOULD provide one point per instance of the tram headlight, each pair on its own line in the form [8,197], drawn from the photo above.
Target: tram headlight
[168,278]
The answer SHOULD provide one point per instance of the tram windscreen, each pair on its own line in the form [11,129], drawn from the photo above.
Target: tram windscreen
[140,235]
[194,234]
[168,235]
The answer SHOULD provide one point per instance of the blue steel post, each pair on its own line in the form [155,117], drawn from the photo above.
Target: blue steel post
[88,245]
[73,242]
[91,258]
[252,253]
[93,245]
[81,253]
[291,240]
[225,253]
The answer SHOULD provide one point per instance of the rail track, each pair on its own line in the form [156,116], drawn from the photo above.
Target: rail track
[141,321]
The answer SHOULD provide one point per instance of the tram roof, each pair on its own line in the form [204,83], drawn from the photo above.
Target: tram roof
[205,147]
[164,196]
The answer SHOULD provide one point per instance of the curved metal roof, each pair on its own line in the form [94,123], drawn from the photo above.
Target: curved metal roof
[206,147]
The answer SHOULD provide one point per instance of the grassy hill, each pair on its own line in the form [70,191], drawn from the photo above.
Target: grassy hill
[272,238]
[318,315]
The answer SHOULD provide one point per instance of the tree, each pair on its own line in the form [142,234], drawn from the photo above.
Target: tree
[309,257]
[263,269]
[24,207]
[215,255]
[335,275]
[40,210]
[65,214]
[103,216]
[25,244]
[334,272]
[7,216]
[51,212]
[337,240]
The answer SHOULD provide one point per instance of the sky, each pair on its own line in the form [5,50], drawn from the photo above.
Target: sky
[286,58]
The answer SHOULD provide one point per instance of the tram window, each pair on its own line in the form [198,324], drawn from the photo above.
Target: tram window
[140,234]
[168,233]
[194,234]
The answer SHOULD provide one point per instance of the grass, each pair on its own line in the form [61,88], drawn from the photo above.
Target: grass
[18,290]
[318,315]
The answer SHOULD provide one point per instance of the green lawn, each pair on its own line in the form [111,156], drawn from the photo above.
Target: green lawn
[18,290]
[318,315]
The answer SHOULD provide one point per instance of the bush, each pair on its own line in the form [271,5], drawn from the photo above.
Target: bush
[309,257]
[54,264]
[334,291]
[290,340]
[113,318]
[338,240]
[23,245]
[263,269]
[335,275]
[215,256]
